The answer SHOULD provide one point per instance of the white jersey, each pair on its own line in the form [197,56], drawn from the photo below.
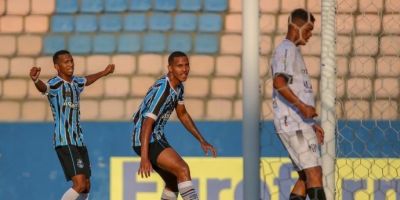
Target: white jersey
[288,61]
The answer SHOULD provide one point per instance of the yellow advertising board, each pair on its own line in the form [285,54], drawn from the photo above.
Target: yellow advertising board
[221,179]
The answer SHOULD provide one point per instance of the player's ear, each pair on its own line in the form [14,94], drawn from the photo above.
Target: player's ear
[169,68]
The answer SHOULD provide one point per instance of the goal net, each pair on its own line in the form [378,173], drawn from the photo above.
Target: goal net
[353,60]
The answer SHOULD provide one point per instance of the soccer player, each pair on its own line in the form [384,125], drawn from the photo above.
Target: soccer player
[63,93]
[294,108]
[149,142]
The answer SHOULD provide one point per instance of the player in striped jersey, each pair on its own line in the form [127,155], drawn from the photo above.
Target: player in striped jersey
[294,108]
[63,93]
[149,141]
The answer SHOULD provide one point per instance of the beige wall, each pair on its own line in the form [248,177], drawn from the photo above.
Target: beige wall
[368,58]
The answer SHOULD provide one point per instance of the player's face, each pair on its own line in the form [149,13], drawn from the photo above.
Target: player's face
[306,33]
[65,65]
[180,68]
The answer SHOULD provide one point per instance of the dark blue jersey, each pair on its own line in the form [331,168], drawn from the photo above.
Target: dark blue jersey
[64,102]
[158,104]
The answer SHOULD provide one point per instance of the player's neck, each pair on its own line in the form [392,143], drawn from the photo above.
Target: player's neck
[292,38]
[65,77]
[173,80]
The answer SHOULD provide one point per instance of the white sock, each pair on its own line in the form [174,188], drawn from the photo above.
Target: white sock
[187,191]
[169,195]
[70,194]
[83,196]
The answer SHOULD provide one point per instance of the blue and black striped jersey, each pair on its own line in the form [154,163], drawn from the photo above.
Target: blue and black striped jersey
[158,104]
[64,98]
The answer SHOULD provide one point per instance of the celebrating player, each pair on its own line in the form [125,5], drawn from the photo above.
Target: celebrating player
[63,93]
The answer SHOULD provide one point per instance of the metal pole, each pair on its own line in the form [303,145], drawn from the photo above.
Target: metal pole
[328,95]
[251,100]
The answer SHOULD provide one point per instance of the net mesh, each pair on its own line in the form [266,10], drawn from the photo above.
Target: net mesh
[367,96]
[367,99]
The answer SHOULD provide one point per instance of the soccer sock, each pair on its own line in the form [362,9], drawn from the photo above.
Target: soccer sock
[316,193]
[187,191]
[83,196]
[169,195]
[296,197]
[70,194]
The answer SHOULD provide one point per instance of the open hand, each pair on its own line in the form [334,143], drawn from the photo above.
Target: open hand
[208,147]
[145,168]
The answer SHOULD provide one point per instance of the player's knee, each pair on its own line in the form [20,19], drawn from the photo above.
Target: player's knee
[183,172]
[314,181]
[81,186]
[314,176]
[87,187]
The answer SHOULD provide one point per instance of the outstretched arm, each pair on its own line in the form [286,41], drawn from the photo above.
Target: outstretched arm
[145,165]
[34,74]
[280,84]
[94,77]
[187,121]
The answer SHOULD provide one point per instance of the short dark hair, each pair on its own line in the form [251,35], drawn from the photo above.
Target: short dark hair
[58,53]
[174,55]
[302,14]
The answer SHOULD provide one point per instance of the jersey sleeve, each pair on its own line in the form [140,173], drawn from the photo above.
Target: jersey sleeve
[156,100]
[53,86]
[81,82]
[283,61]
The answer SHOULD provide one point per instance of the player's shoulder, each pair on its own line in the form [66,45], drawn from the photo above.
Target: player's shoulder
[79,79]
[285,46]
[160,83]
[163,79]
[55,79]
[55,83]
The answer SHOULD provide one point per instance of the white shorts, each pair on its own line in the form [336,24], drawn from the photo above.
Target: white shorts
[302,147]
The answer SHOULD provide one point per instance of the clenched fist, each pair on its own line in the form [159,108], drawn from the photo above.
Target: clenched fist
[35,72]
[109,69]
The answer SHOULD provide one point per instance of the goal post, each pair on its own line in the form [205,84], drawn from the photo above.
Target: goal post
[328,94]
[353,62]
[251,101]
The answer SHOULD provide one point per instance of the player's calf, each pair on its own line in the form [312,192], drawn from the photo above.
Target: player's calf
[296,197]
[316,193]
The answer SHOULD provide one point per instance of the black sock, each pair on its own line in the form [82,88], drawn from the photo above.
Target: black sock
[316,193]
[296,197]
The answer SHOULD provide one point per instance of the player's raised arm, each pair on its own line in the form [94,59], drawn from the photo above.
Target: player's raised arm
[187,121]
[34,74]
[94,77]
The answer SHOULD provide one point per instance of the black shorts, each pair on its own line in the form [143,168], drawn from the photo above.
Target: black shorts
[74,160]
[155,148]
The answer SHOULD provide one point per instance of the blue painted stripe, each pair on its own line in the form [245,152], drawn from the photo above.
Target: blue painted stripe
[366,139]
